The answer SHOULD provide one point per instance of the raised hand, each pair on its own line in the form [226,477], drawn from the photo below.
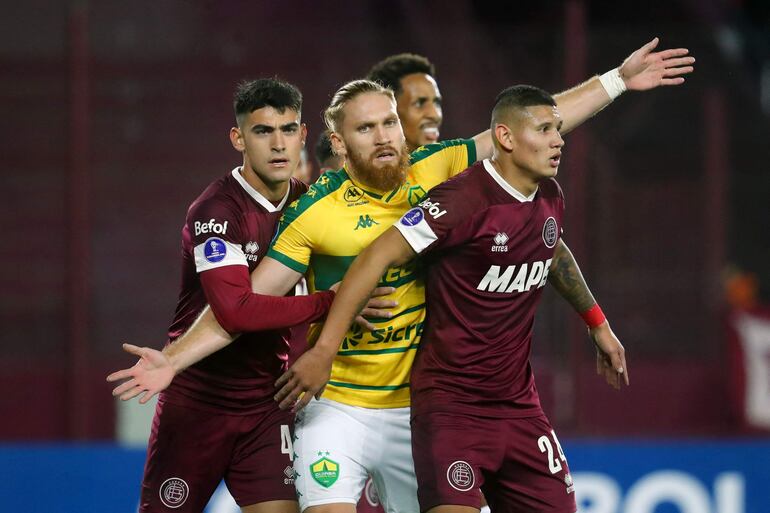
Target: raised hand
[645,69]
[151,374]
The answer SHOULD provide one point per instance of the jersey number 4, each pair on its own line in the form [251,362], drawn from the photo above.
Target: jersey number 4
[286,444]
[554,465]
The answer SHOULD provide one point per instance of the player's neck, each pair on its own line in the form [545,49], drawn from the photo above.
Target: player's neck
[274,191]
[361,182]
[515,177]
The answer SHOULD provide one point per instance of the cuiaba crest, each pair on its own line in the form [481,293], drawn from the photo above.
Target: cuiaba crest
[325,471]
[415,194]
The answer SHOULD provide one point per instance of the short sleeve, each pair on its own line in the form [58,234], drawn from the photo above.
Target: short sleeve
[445,159]
[215,233]
[441,213]
[292,243]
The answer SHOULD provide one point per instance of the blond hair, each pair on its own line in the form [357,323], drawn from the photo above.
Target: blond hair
[333,115]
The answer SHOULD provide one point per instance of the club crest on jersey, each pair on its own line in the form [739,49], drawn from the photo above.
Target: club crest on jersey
[500,243]
[325,472]
[460,476]
[413,217]
[433,208]
[210,227]
[550,233]
[415,194]
[371,494]
[214,249]
[174,492]
[250,251]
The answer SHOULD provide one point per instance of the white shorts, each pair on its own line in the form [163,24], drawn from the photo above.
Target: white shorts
[336,446]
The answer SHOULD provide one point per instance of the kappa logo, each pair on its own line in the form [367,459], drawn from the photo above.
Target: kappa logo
[353,194]
[174,492]
[210,227]
[460,476]
[550,234]
[325,472]
[214,249]
[365,222]
[570,484]
[500,243]
[250,251]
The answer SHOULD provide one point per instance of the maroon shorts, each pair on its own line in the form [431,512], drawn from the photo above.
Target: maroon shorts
[517,463]
[190,451]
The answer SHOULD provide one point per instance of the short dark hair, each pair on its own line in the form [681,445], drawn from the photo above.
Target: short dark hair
[266,92]
[391,70]
[323,149]
[519,97]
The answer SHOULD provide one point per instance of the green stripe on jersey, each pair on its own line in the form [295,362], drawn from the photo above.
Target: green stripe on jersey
[287,261]
[326,184]
[329,269]
[390,350]
[426,151]
[368,387]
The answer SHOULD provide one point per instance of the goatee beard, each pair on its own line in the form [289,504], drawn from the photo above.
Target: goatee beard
[384,178]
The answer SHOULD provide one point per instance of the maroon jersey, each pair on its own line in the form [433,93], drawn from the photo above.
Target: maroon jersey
[230,224]
[487,250]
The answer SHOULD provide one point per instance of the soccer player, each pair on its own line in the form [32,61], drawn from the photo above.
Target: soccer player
[321,234]
[490,239]
[218,418]
[413,79]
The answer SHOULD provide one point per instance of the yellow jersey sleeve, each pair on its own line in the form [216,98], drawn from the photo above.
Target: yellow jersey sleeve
[444,159]
[293,241]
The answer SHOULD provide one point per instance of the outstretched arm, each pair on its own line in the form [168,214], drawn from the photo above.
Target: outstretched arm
[234,308]
[565,276]
[311,371]
[642,70]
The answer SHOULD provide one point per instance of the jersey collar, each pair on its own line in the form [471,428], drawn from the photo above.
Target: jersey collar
[251,191]
[505,185]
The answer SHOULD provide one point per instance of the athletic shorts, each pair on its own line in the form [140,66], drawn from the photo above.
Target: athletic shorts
[338,445]
[517,463]
[190,451]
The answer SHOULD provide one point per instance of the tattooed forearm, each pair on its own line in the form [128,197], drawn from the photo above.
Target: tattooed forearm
[566,278]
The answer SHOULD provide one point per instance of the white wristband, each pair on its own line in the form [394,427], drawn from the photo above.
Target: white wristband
[613,83]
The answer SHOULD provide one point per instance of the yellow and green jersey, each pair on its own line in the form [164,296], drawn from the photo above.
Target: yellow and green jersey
[321,234]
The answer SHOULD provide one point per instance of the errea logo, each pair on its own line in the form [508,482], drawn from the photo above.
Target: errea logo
[250,251]
[500,243]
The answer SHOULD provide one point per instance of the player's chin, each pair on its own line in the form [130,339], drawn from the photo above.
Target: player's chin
[279,173]
[549,172]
